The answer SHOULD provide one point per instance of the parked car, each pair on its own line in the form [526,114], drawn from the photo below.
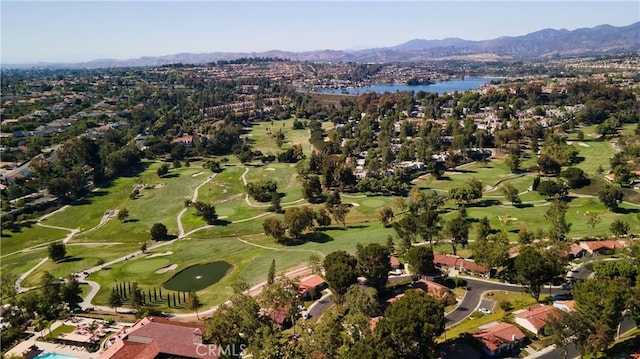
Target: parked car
[484,311]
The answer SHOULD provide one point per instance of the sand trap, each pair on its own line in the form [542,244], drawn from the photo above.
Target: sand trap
[269,169]
[159,185]
[197,174]
[583,144]
[167,253]
[223,217]
[353,204]
[167,269]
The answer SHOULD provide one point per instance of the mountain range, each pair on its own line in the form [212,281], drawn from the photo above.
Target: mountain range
[547,43]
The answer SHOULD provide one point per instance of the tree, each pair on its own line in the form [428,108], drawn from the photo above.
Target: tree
[262,191]
[275,228]
[339,213]
[143,247]
[467,193]
[483,229]
[510,193]
[513,162]
[386,215]
[622,174]
[412,324]
[136,297]
[610,196]
[322,217]
[556,216]
[458,228]
[115,300]
[193,303]
[71,292]
[123,214]
[339,257]
[298,219]
[492,251]
[619,228]
[548,165]
[271,275]
[163,170]
[57,251]
[374,264]
[312,188]
[551,189]
[420,259]
[333,199]
[575,177]
[593,220]
[158,232]
[340,277]
[428,224]
[533,270]
[599,303]
[206,211]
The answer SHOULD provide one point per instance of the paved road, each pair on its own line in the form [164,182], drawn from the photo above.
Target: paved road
[473,297]
[318,307]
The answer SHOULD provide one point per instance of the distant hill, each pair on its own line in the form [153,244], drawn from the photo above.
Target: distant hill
[603,39]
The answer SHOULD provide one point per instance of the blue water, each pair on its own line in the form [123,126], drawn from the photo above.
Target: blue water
[470,83]
[54,356]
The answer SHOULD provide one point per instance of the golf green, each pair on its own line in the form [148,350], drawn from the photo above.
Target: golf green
[372,203]
[198,276]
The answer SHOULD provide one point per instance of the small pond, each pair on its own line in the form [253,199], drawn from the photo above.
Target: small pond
[199,276]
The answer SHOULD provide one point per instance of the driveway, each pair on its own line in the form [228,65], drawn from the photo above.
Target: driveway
[475,289]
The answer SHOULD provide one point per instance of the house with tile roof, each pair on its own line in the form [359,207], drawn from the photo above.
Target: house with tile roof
[499,338]
[311,286]
[602,247]
[154,337]
[535,318]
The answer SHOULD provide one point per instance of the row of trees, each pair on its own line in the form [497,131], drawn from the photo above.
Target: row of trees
[297,220]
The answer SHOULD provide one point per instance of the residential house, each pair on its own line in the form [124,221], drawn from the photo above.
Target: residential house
[311,286]
[565,305]
[576,251]
[433,289]
[535,318]
[186,140]
[499,338]
[602,247]
[154,337]
[395,262]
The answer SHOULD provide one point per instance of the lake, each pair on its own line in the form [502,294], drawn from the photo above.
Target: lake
[470,83]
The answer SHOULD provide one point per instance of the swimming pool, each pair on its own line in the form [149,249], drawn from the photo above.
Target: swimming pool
[54,356]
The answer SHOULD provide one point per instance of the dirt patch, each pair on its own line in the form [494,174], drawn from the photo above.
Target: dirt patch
[167,253]
[158,185]
[269,169]
[167,269]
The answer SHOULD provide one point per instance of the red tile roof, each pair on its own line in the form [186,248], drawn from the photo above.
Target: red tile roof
[152,336]
[394,262]
[592,246]
[498,335]
[471,265]
[539,316]
[312,281]
[446,260]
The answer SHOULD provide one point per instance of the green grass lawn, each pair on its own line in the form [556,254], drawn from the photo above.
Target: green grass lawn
[79,258]
[28,237]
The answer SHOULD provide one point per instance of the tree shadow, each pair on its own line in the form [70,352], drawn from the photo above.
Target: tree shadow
[320,237]
[486,203]
[171,175]
[221,222]
[359,226]
[132,220]
[622,210]
[523,205]
[70,259]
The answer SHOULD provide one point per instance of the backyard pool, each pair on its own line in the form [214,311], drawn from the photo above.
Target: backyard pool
[54,356]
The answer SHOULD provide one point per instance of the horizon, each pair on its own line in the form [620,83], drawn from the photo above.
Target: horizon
[70,32]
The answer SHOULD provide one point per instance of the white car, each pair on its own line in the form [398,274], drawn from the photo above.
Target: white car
[484,311]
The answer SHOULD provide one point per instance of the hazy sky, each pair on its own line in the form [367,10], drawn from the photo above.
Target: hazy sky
[76,31]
